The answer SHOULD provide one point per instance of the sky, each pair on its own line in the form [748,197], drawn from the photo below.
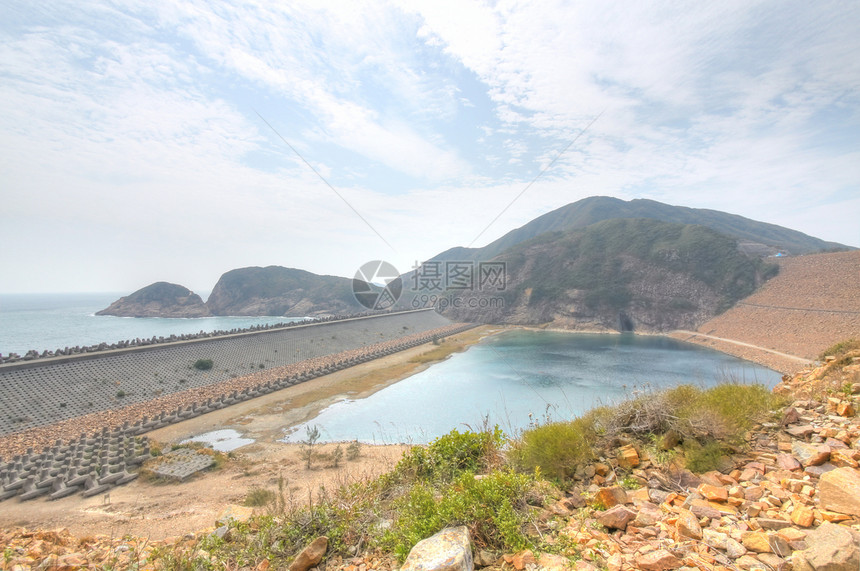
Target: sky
[155,140]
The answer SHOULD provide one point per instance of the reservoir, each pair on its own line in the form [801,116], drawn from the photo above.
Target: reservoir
[523,376]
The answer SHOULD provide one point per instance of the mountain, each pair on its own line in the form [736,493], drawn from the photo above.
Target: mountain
[757,237]
[161,299]
[275,290]
[620,274]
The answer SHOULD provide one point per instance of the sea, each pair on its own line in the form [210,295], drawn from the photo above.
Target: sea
[55,321]
[514,379]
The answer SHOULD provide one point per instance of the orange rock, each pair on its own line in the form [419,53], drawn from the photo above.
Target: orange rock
[845,409]
[611,496]
[802,516]
[714,493]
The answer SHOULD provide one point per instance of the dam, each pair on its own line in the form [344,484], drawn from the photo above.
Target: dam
[46,391]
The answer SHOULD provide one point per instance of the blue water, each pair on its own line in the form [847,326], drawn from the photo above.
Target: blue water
[52,321]
[520,377]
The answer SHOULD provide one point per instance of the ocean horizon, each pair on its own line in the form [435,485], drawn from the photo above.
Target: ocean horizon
[51,321]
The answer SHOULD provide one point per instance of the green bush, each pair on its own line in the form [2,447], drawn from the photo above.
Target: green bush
[450,455]
[203,364]
[702,457]
[556,449]
[493,507]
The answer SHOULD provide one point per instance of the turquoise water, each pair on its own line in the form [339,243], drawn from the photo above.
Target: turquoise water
[52,321]
[511,376]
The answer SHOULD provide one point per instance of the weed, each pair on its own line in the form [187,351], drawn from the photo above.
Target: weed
[203,364]
[307,445]
[258,497]
[353,451]
[336,456]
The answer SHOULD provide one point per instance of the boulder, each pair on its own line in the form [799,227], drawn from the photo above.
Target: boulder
[839,491]
[660,560]
[831,547]
[616,518]
[628,457]
[448,550]
[810,454]
[687,525]
[311,555]
[611,496]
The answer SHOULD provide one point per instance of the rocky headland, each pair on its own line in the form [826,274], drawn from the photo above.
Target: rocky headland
[161,299]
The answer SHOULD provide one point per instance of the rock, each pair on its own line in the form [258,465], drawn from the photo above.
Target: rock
[843,458]
[521,559]
[839,491]
[818,471]
[611,496]
[831,547]
[687,525]
[313,554]
[810,454]
[756,541]
[616,518]
[647,514]
[800,431]
[484,558]
[553,562]
[628,457]
[845,409]
[659,560]
[735,549]
[788,462]
[714,493]
[802,516]
[448,550]
[715,538]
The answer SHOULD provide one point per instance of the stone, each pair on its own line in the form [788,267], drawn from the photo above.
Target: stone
[448,550]
[647,514]
[628,457]
[687,525]
[553,562]
[735,549]
[611,496]
[772,523]
[616,518]
[714,493]
[522,559]
[312,555]
[818,471]
[748,562]
[831,547]
[660,560]
[800,431]
[845,409]
[810,454]
[715,538]
[601,469]
[788,462]
[839,491]
[802,516]
[843,458]
[756,541]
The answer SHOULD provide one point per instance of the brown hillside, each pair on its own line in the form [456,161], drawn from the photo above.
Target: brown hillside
[813,303]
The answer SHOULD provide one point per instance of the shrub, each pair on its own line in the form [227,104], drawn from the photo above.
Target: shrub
[492,507]
[450,455]
[353,451]
[702,458]
[556,449]
[259,497]
[203,364]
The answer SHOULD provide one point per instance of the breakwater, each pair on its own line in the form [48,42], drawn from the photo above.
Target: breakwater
[44,392]
[78,350]
[91,453]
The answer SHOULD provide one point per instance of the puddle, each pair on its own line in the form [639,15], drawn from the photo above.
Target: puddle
[222,440]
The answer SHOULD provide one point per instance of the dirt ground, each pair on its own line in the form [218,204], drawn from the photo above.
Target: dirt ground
[164,510]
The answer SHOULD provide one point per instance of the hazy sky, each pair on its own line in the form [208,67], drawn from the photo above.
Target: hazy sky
[134,144]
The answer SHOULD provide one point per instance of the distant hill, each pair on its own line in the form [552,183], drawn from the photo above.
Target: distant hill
[621,274]
[759,237]
[275,290]
[161,299]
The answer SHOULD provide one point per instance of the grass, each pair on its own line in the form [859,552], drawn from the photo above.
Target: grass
[203,364]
